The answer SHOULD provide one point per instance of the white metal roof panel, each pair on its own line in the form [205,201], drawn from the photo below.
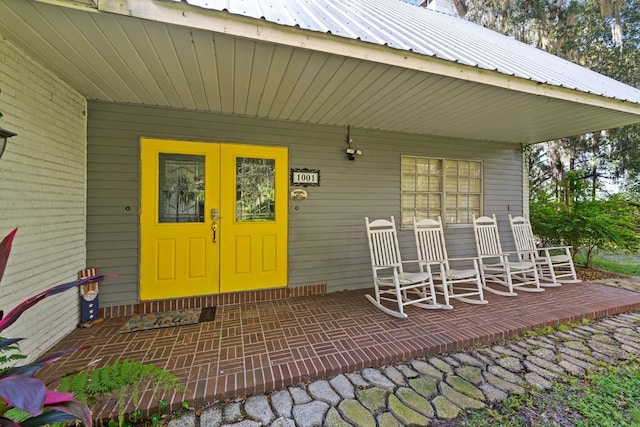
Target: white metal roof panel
[403,26]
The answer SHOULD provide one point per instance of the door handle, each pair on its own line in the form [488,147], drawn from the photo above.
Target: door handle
[214,228]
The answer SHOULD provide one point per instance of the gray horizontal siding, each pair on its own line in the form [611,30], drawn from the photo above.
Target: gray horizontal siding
[327,240]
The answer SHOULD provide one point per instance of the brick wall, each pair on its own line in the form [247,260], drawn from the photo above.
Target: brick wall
[42,192]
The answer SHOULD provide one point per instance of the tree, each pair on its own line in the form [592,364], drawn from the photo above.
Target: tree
[603,35]
[585,224]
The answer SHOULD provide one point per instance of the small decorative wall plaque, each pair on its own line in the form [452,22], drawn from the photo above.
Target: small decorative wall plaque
[299,194]
[305,177]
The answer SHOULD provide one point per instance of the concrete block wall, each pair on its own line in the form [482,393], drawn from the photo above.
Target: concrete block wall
[43,193]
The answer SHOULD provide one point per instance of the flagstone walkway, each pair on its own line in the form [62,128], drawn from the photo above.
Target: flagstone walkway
[434,388]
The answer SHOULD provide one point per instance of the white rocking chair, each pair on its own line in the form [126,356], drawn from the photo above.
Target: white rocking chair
[495,266]
[555,264]
[396,286]
[462,284]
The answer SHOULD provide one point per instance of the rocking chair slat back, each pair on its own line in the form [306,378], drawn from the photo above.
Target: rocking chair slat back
[522,234]
[555,264]
[385,250]
[430,241]
[392,285]
[460,284]
[487,237]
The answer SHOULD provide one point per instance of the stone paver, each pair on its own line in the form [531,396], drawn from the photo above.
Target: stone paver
[232,413]
[395,375]
[423,390]
[440,364]
[404,414]
[282,403]
[258,408]
[377,378]
[407,371]
[460,399]
[374,399]
[427,369]
[310,414]
[388,420]
[444,408]
[537,381]
[321,390]
[211,416]
[415,401]
[343,387]
[357,414]
[461,385]
[471,374]
[334,419]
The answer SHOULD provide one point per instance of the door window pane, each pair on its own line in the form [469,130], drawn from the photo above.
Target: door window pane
[181,188]
[255,189]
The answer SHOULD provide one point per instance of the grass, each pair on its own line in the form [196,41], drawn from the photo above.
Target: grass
[604,399]
[608,398]
[614,262]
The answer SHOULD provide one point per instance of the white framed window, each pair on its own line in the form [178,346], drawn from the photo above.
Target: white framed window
[433,187]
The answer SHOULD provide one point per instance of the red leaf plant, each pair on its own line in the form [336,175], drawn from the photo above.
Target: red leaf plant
[18,388]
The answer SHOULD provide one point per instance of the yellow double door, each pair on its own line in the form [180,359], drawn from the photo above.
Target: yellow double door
[213,218]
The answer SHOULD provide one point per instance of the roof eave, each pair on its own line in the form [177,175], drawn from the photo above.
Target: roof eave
[181,13]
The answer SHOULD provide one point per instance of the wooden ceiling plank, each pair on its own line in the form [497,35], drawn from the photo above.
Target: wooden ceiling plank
[290,80]
[262,59]
[337,69]
[183,45]
[243,66]
[164,50]
[277,68]
[310,76]
[204,48]
[224,50]
[38,37]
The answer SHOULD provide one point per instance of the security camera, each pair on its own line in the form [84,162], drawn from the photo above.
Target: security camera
[353,152]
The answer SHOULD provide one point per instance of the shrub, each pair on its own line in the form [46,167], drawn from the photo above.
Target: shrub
[585,224]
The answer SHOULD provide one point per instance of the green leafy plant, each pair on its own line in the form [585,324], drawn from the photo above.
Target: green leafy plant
[609,398]
[122,378]
[9,355]
[586,224]
[20,394]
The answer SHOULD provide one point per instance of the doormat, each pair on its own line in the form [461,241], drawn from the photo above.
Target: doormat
[168,319]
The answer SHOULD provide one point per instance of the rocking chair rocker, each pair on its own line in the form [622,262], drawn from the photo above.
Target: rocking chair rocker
[391,282]
[462,284]
[495,266]
[555,264]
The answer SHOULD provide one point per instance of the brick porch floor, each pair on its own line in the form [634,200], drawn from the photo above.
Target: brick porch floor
[258,347]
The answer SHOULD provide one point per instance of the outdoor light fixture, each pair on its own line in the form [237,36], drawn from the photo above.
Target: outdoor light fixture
[4,135]
[351,152]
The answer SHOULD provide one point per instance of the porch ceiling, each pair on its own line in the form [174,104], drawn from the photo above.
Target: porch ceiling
[117,58]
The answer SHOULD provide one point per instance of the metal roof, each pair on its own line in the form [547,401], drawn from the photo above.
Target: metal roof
[412,71]
[404,26]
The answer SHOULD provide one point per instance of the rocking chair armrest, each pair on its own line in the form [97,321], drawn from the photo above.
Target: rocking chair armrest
[383,267]
[533,253]
[553,248]
[469,258]
[416,261]
[498,255]
[430,262]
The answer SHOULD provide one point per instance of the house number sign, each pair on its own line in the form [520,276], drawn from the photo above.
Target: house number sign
[305,177]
